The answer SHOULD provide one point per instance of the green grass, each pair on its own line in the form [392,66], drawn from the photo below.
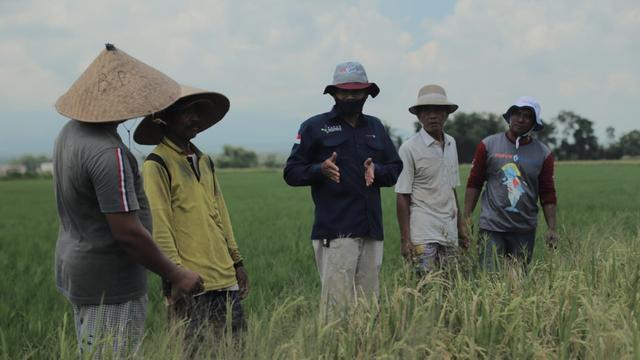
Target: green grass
[581,302]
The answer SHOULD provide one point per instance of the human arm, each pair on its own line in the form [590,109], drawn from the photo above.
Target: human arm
[234,252]
[129,233]
[387,170]
[113,173]
[403,202]
[403,189]
[463,234]
[475,182]
[471,196]
[548,200]
[301,169]
[551,237]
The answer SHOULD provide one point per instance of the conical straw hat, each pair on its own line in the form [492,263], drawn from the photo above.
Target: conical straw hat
[117,87]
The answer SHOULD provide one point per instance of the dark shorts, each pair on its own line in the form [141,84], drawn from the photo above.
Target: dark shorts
[515,245]
[207,313]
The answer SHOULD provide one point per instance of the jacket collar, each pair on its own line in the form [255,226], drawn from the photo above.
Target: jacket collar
[177,149]
[333,115]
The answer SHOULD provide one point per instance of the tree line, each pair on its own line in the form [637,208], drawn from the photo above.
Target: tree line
[569,135]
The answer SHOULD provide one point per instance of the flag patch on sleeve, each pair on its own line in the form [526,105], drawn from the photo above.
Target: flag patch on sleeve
[298,139]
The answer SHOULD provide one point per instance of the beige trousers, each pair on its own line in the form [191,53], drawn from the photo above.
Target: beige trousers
[349,269]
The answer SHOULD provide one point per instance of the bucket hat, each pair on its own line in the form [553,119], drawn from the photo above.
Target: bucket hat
[117,87]
[351,76]
[433,95]
[211,108]
[526,101]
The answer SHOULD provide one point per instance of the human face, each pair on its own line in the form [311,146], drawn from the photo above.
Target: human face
[184,124]
[521,121]
[432,119]
[347,95]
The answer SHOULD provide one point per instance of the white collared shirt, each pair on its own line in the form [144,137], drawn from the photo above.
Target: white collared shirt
[430,174]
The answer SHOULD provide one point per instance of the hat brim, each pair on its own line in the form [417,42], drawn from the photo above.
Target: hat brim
[374,90]
[214,107]
[450,107]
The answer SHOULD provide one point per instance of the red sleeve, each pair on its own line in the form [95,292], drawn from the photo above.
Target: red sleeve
[546,184]
[478,173]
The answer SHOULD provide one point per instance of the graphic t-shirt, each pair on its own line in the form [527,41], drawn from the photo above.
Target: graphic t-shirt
[515,179]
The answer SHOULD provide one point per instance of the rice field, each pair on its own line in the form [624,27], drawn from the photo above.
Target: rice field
[582,301]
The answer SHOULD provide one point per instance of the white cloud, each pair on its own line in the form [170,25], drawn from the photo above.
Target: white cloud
[273,58]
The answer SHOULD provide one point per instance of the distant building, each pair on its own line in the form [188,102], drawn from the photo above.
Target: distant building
[46,168]
[12,169]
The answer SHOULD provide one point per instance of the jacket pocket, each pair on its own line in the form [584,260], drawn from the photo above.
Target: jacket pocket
[330,144]
[375,148]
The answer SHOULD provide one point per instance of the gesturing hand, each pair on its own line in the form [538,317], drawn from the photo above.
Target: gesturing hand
[369,171]
[330,169]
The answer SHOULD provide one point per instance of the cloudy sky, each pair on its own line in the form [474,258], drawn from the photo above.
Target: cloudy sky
[273,58]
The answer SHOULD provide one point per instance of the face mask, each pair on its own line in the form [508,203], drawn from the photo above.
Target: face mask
[350,107]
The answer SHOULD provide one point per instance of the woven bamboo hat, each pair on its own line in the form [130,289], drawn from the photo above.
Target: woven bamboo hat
[117,87]
[211,107]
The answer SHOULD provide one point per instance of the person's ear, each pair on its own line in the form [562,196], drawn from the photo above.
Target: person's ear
[159,121]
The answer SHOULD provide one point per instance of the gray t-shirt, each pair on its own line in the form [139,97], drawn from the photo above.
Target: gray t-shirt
[94,174]
[510,199]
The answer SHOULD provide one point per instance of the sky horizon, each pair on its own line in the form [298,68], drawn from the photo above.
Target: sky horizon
[273,59]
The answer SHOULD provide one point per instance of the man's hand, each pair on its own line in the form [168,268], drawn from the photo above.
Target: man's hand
[329,168]
[406,250]
[185,282]
[463,237]
[369,171]
[243,281]
[551,238]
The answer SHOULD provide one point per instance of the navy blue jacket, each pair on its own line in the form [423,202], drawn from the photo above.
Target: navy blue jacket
[348,208]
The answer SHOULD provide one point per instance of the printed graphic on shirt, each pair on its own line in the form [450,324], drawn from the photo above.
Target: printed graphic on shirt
[330,129]
[503,156]
[512,179]
[297,139]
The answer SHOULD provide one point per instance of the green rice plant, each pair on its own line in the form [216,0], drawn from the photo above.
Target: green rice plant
[577,302]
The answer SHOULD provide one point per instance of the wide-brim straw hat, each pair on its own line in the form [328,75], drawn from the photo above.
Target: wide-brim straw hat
[212,107]
[433,95]
[117,87]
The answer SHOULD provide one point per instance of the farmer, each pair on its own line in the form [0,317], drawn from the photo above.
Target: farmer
[518,171]
[191,224]
[103,243]
[345,156]
[426,200]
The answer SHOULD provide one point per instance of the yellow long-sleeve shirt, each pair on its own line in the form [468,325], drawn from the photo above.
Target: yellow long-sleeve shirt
[191,224]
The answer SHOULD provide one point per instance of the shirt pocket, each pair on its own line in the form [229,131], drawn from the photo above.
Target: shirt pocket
[330,144]
[374,149]
[426,168]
